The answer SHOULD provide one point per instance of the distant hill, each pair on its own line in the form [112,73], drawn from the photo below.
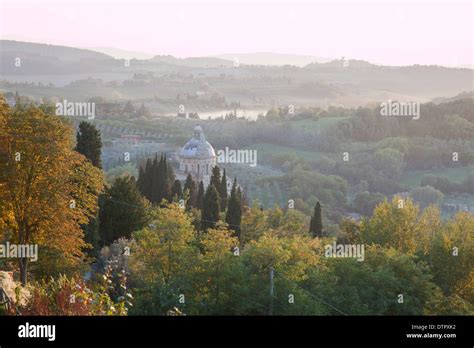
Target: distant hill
[276,59]
[163,77]
[422,81]
[193,62]
[45,50]
[42,59]
[118,53]
[340,63]
[460,96]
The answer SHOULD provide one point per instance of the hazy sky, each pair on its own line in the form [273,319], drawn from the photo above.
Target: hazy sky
[383,31]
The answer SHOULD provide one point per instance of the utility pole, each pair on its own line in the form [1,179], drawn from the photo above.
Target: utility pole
[270,310]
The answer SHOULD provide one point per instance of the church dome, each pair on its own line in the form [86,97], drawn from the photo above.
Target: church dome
[197,147]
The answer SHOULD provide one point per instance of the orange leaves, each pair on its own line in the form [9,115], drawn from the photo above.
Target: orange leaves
[42,182]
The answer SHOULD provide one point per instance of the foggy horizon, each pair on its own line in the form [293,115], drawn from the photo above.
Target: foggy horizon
[385,33]
[277,171]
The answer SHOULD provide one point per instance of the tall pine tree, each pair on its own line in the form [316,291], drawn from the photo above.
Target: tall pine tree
[155,175]
[165,181]
[234,211]
[210,209]
[216,178]
[223,192]
[89,143]
[191,189]
[176,190]
[123,210]
[316,223]
[200,196]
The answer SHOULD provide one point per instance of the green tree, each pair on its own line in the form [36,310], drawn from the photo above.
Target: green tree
[210,208]
[426,195]
[123,210]
[234,211]
[145,179]
[316,224]
[191,189]
[223,192]
[452,256]
[254,223]
[216,178]
[89,143]
[165,180]
[163,261]
[200,196]
[394,224]
[176,190]
[387,282]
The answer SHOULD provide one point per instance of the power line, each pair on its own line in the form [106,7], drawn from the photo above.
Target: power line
[313,295]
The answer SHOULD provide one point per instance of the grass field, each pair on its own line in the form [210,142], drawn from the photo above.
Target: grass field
[413,178]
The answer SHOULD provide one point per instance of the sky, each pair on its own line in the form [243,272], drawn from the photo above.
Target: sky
[389,32]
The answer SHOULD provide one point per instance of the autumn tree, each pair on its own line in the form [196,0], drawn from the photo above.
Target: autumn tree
[254,223]
[162,259]
[48,189]
[393,224]
[219,270]
[452,256]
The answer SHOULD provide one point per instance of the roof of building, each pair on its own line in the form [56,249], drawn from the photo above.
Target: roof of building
[197,147]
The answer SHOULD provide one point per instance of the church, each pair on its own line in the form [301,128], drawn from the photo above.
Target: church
[197,157]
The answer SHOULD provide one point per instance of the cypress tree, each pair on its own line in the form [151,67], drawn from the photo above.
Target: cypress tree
[216,178]
[244,202]
[316,223]
[89,143]
[200,196]
[171,174]
[141,179]
[234,211]
[123,210]
[210,208]
[148,180]
[154,175]
[239,194]
[166,185]
[190,188]
[176,190]
[223,192]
